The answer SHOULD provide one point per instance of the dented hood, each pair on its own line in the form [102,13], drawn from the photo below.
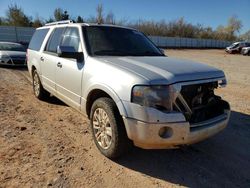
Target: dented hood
[164,70]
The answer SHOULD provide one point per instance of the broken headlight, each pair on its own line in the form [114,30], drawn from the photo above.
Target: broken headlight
[159,97]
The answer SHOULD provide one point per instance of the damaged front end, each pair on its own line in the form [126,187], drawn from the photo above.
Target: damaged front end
[199,103]
[189,113]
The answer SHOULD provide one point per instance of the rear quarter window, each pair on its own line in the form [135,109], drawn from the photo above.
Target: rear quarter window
[37,39]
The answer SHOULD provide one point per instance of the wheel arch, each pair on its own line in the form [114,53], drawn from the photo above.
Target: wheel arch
[102,91]
[32,69]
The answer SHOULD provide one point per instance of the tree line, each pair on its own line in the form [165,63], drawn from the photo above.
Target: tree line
[15,16]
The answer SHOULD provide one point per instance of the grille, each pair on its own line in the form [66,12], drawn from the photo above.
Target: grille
[18,60]
[199,103]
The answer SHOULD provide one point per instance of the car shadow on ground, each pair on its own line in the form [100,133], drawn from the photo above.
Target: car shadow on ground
[221,161]
[55,101]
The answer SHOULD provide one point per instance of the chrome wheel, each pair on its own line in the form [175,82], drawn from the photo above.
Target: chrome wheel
[36,84]
[102,128]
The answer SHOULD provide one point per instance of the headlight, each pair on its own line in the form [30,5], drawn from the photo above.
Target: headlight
[4,58]
[222,83]
[159,97]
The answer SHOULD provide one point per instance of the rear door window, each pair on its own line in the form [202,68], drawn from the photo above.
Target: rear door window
[55,40]
[37,39]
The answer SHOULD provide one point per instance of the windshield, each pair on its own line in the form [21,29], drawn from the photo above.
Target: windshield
[11,47]
[234,45]
[114,41]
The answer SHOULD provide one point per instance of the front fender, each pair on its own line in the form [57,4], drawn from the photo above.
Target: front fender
[109,91]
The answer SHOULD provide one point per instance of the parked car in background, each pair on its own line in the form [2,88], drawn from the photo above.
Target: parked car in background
[236,47]
[13,54]
[245,51]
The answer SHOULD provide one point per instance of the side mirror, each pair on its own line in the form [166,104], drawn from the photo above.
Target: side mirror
[69,52]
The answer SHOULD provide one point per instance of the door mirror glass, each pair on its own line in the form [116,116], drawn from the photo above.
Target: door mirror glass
[69,52]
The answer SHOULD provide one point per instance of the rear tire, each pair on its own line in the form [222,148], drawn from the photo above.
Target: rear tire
[38,89]
[108,129]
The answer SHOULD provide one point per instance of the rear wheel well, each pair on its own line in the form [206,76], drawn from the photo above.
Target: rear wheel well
[92,97]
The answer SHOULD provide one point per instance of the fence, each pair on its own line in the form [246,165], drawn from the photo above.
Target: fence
[174,42]
[16,34]
[24,34]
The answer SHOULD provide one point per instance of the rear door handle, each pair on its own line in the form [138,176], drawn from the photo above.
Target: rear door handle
[41,58]
[59,65]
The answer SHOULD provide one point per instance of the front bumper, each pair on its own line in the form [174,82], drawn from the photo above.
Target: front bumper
[171,135]
[244,52]
[14,62]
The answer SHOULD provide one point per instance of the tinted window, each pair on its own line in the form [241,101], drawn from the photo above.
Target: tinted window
[55,40]
[37,39]
[71,38]
[114,41]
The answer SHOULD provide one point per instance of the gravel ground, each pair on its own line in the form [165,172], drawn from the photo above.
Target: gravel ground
[48,144]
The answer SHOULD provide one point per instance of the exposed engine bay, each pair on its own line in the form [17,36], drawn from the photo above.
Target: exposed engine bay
[199,103]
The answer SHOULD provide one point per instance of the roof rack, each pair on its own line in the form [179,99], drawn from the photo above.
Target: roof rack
[60,22]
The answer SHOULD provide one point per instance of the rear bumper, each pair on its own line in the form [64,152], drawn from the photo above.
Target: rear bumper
[171,135]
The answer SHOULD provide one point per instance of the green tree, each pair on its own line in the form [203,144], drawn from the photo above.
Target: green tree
[49,20]
[58,14]
[79,19]
[2,22]
[65,15]
[230,31]
[16,17]
[37,22]
[245,36]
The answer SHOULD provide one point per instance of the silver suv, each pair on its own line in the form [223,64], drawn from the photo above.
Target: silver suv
[131,92]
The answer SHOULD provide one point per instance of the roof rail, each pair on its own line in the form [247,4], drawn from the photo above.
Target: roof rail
[60,22]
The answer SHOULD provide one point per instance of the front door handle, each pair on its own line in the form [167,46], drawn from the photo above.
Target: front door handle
[41,58]
[59,65]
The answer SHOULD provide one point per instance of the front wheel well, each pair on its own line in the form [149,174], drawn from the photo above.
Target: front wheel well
[93,96]
[32,69]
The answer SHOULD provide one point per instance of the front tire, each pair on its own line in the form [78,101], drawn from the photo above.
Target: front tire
[108,128]
[38,89]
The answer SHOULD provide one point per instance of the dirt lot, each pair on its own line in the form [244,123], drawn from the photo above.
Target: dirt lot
[48,144]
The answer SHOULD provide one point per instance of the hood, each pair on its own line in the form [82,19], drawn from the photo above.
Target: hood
[14,53]
[164,70]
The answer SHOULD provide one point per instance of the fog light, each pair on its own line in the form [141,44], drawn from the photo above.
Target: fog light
[165,132]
